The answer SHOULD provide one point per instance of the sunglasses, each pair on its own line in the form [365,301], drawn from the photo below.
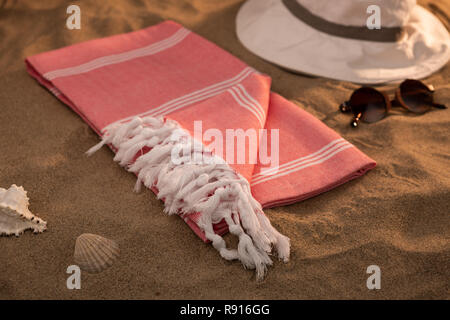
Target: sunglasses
[370,105]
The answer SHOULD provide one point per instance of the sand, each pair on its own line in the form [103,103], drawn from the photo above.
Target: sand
[396,216]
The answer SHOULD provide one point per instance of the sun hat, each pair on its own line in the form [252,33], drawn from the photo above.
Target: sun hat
[333,39]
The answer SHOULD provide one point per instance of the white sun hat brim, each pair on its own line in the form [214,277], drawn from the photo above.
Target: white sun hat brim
[268,29]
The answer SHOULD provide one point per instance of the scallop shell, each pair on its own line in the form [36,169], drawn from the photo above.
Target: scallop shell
[94,253]
[15,217]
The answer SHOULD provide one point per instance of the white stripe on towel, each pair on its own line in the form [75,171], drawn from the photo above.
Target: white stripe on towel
[237,95]
[252,100]
[267,172]
[190,98]
[55,91]
[247,101]
[121,57]
[315,158]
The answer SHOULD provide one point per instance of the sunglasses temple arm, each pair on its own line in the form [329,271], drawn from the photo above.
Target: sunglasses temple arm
[439,106]
[355,121]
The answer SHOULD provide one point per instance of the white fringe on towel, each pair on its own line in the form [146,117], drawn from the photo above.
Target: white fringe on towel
[210,187]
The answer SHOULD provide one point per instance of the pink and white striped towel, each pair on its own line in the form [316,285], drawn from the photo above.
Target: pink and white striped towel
[137,89]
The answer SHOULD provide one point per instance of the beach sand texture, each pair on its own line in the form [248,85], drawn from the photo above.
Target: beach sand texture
[396,216]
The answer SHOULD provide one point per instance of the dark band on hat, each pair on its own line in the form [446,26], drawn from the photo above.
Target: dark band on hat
[385,34]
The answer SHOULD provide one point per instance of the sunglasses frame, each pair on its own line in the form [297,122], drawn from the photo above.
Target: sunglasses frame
[398,100]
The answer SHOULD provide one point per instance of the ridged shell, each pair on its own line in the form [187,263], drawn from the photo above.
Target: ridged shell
[94,253]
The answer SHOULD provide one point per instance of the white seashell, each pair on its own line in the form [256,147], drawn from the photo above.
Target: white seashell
[94,253]
[15,217]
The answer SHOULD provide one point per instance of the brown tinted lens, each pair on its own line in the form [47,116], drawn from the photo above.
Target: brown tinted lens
[370,103]
[416,96]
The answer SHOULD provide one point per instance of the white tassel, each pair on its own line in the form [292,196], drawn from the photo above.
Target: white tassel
[210,187]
